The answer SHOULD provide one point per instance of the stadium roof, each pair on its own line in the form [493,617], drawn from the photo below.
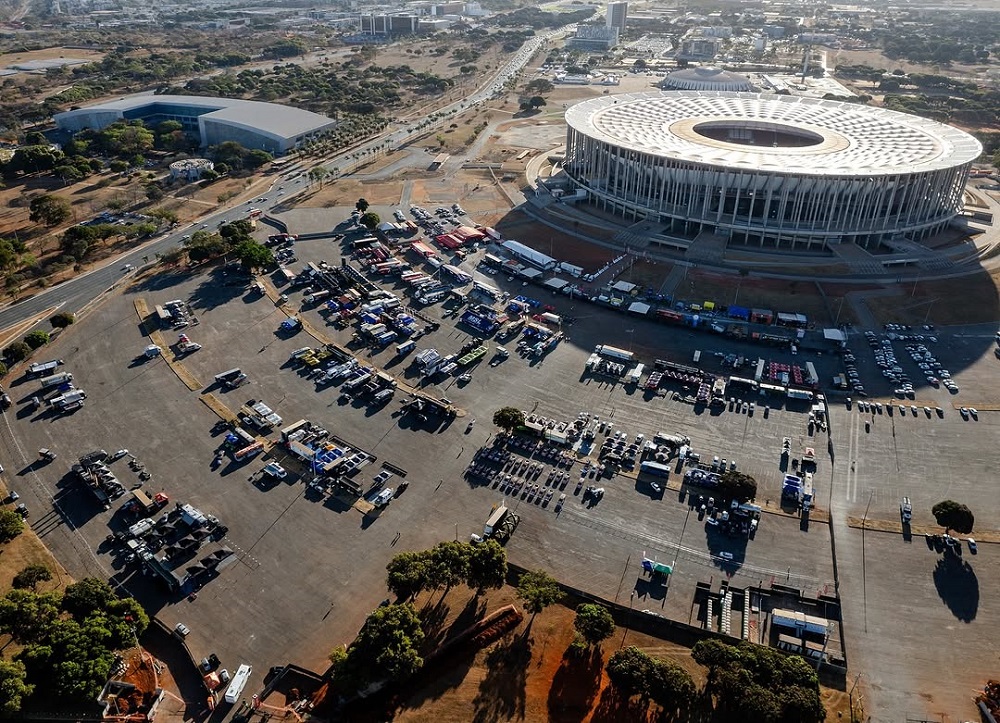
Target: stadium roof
[706,78]
[830,137]
[272,118]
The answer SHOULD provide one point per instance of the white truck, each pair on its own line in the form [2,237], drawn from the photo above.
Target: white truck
[238,683]
[56,379]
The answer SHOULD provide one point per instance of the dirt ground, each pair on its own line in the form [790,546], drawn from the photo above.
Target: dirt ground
[7,59]
[531,675]
[964,300]
[546,239]
[876,59]
[787,296]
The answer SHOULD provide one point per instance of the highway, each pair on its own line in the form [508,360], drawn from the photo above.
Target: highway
[75,294]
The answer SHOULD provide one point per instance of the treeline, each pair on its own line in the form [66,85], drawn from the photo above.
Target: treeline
[533,17]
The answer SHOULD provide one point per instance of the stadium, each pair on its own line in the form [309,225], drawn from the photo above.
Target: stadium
[768,170]
[265,126]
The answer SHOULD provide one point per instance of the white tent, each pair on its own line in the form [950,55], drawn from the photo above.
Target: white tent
[638,307]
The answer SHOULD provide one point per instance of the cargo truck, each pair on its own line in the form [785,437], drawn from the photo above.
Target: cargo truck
[635,375]
[56,379]
[613,352]
[41,369]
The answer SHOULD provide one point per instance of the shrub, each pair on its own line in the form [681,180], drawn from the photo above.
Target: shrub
[37,339]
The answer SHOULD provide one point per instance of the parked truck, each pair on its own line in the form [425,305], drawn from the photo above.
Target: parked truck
[613,352]
[40,369]
[238,683]
[56,380]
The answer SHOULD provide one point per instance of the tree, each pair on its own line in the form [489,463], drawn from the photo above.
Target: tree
[953,515]
[386,647]
[448,564]
[594,623]
[370,220]
[84,597]
[536,102]
[361,205]
[26,615]
[13,687]
[407,574]
[737,486]
[629,670]
[538,590]
[37,339]
[50,210]
[540,86]
[18,351]
[670,686]
[253,255]
[118,166]
[240,229]
[154,192]
[257,158]
[508,418]
[487,566]
[29,577]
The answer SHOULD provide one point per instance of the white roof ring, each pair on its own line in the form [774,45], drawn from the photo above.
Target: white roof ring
[811,136]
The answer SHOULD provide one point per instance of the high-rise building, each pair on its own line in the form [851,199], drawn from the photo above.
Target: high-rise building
[617,15]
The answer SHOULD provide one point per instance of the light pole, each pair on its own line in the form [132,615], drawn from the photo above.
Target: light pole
[628,621]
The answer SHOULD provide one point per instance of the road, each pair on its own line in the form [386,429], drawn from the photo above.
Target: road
[75,294]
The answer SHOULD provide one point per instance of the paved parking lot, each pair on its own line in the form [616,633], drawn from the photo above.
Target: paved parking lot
[310,568]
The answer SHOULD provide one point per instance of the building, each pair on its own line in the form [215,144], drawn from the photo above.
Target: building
[190,169]
[265,126]
[617,15]
[699,47]
[595,37]
[768,170]
[706,78]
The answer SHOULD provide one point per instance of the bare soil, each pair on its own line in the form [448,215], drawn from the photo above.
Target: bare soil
[548,240]
[532,675]
[7,59]
[787,296]
[964,300]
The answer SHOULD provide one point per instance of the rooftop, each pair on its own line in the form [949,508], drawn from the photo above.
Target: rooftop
[780,133]
[279,120]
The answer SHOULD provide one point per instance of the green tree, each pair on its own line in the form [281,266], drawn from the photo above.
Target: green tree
[370,220]
[118,166]
[257,158]
[14,687]
[738,486]
[361,205]
[536,102]
[594,623]
[163,214]
[84,597]
[448,564]
[154,192]
[18,351]
[629,670]
[253,255]
[26,615]
[237,230]
[670,686]
[487,566]
[538,590]
[50,210]
[386,647]
[37,338]
[68,173]
[407,574]
[508,418]
[29,577]
[953,515]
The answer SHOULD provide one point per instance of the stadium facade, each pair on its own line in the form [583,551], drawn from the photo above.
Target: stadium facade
[266,126]
[768,170]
